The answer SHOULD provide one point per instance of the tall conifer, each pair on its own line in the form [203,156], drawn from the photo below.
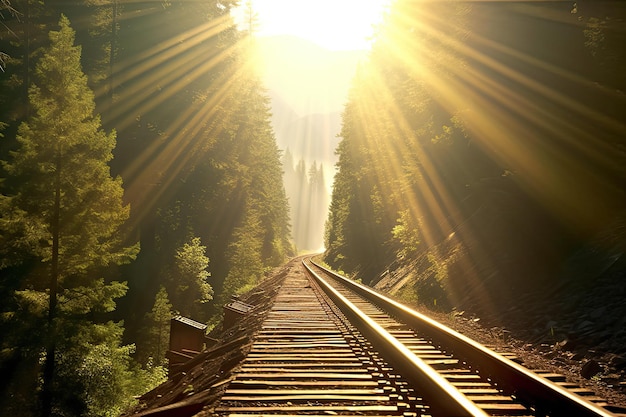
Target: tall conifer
[67,211]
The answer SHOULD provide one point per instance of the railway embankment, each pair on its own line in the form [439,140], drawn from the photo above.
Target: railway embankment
[574,324]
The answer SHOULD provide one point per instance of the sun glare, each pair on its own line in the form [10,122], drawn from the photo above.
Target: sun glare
[306,53]
[334,25]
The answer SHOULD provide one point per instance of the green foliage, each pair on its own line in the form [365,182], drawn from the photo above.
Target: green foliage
[407,233]
[246,263]
[102,372]
[408,295]
[438,269]
[231,179]
[156,332]
[188,282]
[102,39]
[452,123]
[256,205]
[63,230]
[62,147]
[206,182]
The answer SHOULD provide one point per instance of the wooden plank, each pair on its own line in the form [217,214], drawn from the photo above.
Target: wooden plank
[298,322]
[286,369]
[303,332]
[298,358]
[433,356]
[311,375]
[289,356]
[347,391]
[421,347]
[306,365]
[325,383]
[432,362]
[303,397]
[459,377]
[296,415]
[301,345]
[291,350]
[180,409]
[470,385]
[489,398]
[309,408]
[500,408]
[458,371]
[304,322]
[308,347]
[479,391]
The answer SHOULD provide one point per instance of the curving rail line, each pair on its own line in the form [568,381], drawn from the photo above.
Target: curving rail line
[540,395]
[330,346]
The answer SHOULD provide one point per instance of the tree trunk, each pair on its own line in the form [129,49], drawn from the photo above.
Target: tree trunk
[49,365]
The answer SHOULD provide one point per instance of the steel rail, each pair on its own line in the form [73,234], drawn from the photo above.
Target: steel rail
[308,358]
[443,397]
[546,397]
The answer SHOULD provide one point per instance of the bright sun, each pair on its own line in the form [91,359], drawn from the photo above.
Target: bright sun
[332,24]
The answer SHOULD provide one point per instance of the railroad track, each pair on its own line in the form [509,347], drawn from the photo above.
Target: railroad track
[330,346]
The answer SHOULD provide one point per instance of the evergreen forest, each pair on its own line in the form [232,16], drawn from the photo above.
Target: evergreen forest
[308,201]
[140,179]
[483,145]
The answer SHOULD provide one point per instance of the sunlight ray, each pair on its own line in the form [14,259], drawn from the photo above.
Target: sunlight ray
[165,162]
[435,198]
[156,76]
[171,71]
[499,127]
[172,89]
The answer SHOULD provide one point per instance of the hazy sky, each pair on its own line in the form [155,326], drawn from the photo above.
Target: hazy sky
[308,78]
[312,75]
[308,52]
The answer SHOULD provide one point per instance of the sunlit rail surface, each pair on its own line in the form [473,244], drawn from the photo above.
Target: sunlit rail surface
[330,346]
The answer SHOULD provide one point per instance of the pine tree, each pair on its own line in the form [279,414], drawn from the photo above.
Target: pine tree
[260,237]
[188,284]
[66,214]
[157,328]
